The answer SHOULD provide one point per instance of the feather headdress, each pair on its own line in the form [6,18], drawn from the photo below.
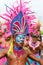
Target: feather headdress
[2,27]
[18,27]
[12,12]
[16,18]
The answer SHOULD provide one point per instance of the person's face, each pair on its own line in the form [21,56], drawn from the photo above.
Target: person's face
[1,36]
[4,40]
[27,38]
[20,39]
[34,40]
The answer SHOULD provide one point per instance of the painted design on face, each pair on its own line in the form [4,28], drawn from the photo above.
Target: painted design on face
[20,38]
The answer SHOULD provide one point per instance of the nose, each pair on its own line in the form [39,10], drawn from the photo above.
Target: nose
[0,40]
[22,40]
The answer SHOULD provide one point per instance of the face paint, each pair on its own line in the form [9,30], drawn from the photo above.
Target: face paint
[20,38]
[17,48]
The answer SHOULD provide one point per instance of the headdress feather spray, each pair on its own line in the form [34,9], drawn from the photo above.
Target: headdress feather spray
[10,18]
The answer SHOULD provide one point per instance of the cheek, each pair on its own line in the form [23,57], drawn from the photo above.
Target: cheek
[17,39]
[8,45]
[1,39]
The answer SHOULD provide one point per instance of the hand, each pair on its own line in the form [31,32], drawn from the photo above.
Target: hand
[25,48]
[41,62]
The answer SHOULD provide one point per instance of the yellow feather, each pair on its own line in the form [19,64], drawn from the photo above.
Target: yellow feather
[11,48]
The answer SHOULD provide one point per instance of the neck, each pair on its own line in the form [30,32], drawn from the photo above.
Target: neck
[17,47]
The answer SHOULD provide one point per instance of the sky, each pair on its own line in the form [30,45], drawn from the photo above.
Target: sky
[36,6]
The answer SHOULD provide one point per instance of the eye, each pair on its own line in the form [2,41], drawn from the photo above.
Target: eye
[8,38]
[1,34]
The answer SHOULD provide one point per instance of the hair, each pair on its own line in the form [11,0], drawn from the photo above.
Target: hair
[34,36]
[39,38]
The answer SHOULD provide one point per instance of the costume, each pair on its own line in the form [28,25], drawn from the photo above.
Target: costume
[34,62]
[2,30]
[19,32]
[34,46]
[17,18]
[13,18]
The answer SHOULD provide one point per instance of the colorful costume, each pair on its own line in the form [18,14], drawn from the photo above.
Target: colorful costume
[17,18]
[34,46]
[34,62]
[2,30]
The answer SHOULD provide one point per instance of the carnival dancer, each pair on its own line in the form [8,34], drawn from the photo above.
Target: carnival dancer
[2,44]
[18,54]
[34,45]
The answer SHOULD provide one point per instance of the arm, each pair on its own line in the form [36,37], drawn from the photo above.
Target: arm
[32,56]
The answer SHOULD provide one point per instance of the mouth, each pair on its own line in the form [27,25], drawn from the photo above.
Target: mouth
[33,42]
[27,39]
[0,42]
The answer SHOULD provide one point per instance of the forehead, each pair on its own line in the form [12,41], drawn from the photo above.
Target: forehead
[35,38]
[20,35]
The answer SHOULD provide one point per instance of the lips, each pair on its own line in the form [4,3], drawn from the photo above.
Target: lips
[0,42]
